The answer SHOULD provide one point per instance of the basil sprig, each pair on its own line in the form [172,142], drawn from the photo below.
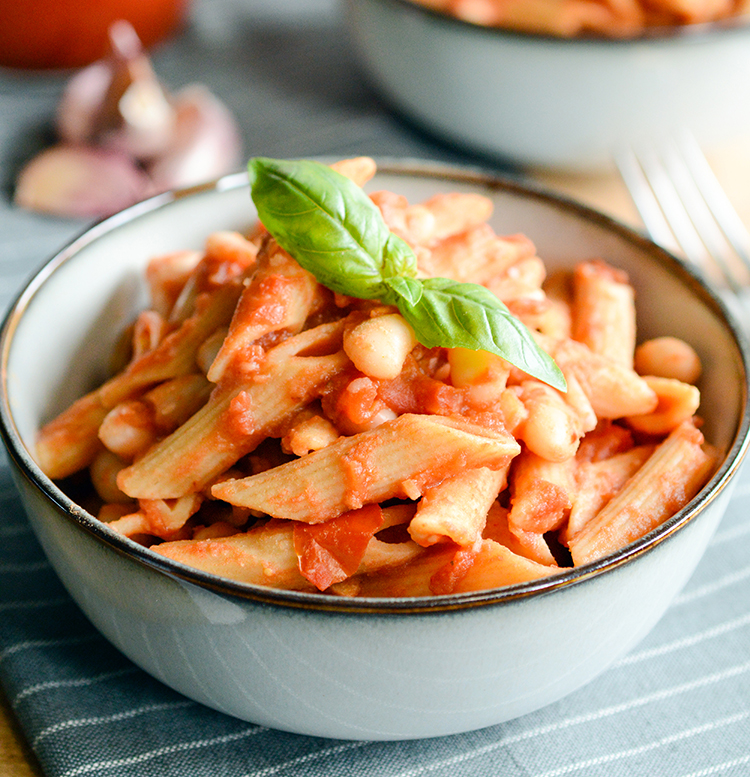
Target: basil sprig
[335,231]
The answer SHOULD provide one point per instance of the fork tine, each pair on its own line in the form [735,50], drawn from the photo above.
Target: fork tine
[645,202]
[714,245]
[714,195]
[683,206]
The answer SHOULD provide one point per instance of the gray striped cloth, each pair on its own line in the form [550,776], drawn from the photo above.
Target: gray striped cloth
[678,706]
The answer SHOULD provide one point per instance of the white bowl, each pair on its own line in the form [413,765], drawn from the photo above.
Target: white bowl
[553,102]
[361,668]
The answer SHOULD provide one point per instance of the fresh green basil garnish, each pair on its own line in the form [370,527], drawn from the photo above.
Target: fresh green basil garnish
[335,231]
[325,221]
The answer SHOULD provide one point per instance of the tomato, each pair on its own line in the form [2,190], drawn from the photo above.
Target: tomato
[72,33]
[330,552]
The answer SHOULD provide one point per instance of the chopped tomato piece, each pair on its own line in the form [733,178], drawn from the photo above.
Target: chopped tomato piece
[444,581]
[332,551]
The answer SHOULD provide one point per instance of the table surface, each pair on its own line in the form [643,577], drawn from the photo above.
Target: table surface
[348,111]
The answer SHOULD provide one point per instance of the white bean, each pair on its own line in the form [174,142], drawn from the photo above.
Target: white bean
[379,346]
[668,357]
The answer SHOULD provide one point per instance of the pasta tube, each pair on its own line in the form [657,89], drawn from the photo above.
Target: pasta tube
[231,424]
[664,484]
[411,452]
[456,509]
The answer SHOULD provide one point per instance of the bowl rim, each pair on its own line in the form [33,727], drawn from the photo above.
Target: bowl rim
[672,34]
[29,470]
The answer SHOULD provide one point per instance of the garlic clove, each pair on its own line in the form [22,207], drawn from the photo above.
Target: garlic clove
[136,115]
[118,102]
[80,182]
[206,144]
[81,102]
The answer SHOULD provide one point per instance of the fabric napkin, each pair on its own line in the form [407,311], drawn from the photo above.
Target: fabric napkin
[678,705]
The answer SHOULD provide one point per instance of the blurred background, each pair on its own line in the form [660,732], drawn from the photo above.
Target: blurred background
[289,74]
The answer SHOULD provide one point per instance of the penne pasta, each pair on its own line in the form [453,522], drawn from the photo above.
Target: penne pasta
[571,18]
[667,481]
[398,459]
[604,312]
[456,509]
[267,429]
[280,296]
[614,391]
[230,425]
[597,482]
[70,442]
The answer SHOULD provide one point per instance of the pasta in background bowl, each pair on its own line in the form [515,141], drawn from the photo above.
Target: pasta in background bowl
[590,17]
[542,98]
[372,667]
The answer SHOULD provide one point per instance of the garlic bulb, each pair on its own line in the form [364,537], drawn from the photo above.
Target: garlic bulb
[81,102]
[136,116]
[123,137]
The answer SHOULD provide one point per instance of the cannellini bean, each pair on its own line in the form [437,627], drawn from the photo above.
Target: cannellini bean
[310,434]
[678,402]
[668,357]
[379,346]
[128,429]
[552,429]
[103,472]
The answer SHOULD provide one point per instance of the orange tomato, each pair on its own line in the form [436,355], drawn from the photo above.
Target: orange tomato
[72,33]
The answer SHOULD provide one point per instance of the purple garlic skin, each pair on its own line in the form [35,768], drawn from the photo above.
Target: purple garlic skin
[206,143]
[81,102]
[81,182]
[123,138]
[118,103]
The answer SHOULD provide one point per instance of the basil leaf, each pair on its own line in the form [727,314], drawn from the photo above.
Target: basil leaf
[335,231]
[398,258]
[408,289]
[325,221]
[453,314]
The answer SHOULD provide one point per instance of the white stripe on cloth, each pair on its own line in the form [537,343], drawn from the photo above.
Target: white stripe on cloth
[17,567]
[31,604]
[685,642]
[718,768]
[731,534]
[308,758]
[588,717]
[711,588]
[30,644]
[648,746]
[113,718]
[77,682]
[161,751]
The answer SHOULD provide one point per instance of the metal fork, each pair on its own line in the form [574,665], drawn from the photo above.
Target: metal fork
[685,209]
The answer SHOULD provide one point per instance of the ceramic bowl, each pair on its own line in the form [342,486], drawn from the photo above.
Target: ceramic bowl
[355,668]
[568,104]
